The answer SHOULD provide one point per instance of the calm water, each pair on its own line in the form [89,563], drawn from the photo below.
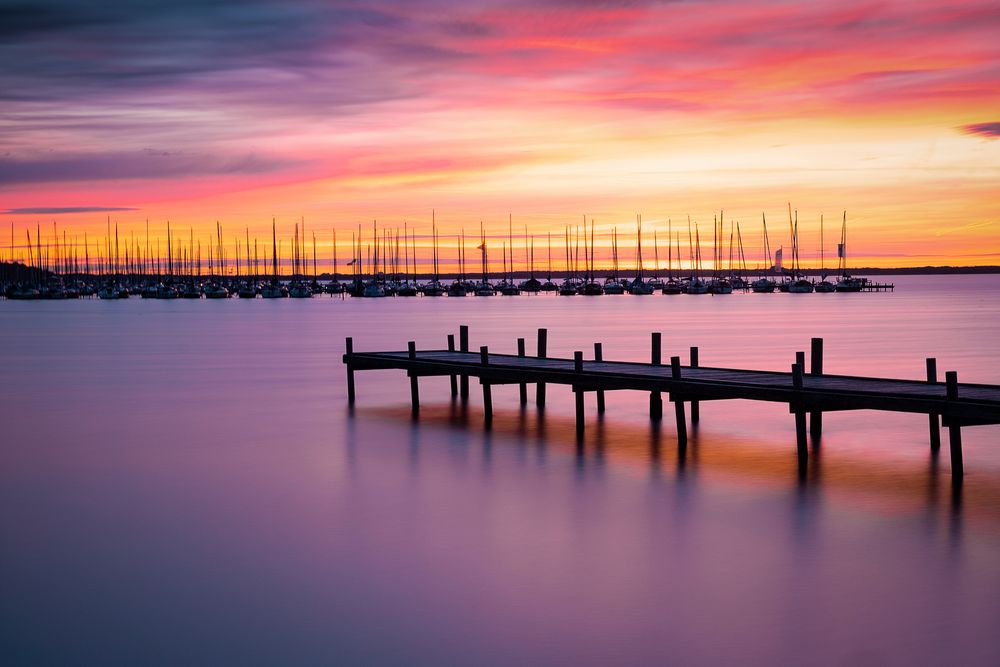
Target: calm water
[182,483]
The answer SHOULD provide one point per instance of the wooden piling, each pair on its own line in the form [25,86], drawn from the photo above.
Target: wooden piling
[599,356]
[578,390]
[452,378]
[816,368]
[350,372]
[695,405]
[954,427]
[543,339]
[800,415]
[655,397]
[411,349]
[523,387]
[484,359]
[933,420]
[463,346]
[675,374]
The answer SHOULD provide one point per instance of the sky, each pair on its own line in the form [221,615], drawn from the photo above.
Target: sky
[341,113]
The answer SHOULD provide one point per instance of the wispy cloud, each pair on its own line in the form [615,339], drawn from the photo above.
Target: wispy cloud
[989,130]
[60,210]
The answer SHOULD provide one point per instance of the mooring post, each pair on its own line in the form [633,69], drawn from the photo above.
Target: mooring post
[524,385]
[675,396]
[800,415]
[463,346]
[933,420]
[453,378]
[816,368]
[484,358]
[655,397]
[578,390]
[411,349]
[695,407]
[599,356]
[543,339]
[954,428]
[350,371]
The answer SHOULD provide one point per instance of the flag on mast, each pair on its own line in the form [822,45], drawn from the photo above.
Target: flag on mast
[777,260]
[840,250]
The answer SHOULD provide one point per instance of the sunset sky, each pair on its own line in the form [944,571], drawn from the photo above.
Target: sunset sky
[343,112]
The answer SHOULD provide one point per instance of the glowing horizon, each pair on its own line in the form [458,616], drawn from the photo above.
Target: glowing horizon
[342,114]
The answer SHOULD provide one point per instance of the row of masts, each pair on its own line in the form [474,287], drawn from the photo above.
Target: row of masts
[392,252]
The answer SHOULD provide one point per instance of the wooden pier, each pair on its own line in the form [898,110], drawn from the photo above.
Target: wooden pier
[807,392]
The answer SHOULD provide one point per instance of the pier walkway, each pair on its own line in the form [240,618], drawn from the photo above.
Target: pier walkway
[806,392]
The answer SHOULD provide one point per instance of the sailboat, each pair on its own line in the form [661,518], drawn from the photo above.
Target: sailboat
[719,284]
[590,286]
[799,284]
[507,287]
[846,282]
[568,286]
[274,290]
[548,285]
[763,284]
[696,285]
[672,286]
[612,285]
[532,284]
[484,288]
[824,286]
[638,286]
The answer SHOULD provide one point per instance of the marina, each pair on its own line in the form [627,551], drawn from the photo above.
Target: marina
[389,264]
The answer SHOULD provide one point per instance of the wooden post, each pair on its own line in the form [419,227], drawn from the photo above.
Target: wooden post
[484,358]
[954,428]
[816,368]
[524,386]
[675,374]
[800,415]
[578,390]
[933,420]
[350,372]
[411,349]
[695,406]
[599,356]
[543,339]
[655,397]
[463,346]
[453,378]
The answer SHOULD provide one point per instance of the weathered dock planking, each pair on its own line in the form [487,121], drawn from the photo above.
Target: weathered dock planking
[806,393]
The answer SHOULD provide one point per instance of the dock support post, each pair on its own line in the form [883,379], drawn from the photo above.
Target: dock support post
[463,346]
[524,385]
[954,428]
[816,368]
[800,415]
[932,419]
[675,374]
[484,357]
[453,378]
[695,406]
[599,356]
[350,372]
[578,390]
[655,397]
[411,349]
[543,339]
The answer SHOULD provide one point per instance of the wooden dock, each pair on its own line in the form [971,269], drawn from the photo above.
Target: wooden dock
[808,392]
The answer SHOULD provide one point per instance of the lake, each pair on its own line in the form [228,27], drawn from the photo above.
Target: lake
[182,482]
